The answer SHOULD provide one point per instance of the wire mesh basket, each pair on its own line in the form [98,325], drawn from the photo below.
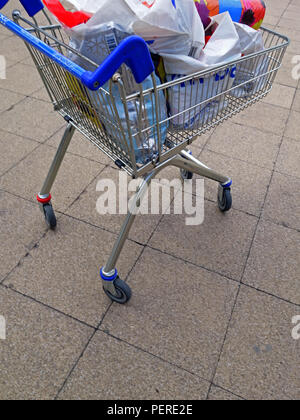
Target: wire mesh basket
[138,125]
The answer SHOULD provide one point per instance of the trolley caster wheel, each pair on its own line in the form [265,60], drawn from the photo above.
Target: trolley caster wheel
[49,216]
[123,292]
[186,174]
[224,199]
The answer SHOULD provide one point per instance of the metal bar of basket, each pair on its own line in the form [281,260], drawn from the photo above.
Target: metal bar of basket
[176,140]
[44,30]
[64,62]
[188,162]
[109,268]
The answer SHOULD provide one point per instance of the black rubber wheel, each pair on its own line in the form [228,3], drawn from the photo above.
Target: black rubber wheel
[50,216]
[224,199]
[186,174]
[123,291]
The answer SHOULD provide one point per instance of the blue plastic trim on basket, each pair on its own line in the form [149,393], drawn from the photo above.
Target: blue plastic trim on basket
[3,3]
[32,7]
[108,278]
[133,51]
[227,185]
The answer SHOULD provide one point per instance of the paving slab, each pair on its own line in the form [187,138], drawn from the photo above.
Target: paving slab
[293,7]
[296,104]
[63,271]
[85,208]
[21,79]
[280,95]
[13,49]
[26,179]
[248,144]
[219,394]
[180,317]
[28,61]
[292,33]
[276,10]
[4,33]
[285,76]
[265,117]
[220,244]
[21,226]
[294,47]
[288,61]
[250,182]
[286,23]
[113,370]
[289,158]
[13,149]
[80,146]
[40,349]
[9,99]
[33,119]
[41,94]
[271,20]
[291,14]
[273,264]
[260,358]
[292,129]
[283,201]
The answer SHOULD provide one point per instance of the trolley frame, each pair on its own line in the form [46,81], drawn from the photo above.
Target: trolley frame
[50,50]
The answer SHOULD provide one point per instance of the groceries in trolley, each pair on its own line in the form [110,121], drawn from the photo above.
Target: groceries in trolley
[191,103]
[166,25]
[194,102]
[190,37]
[253,70]
[248,12]
[96,44]
[96,41]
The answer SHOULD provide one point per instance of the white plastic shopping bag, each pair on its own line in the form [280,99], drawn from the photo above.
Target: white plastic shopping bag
[169,26]
[197,101]
[223,47]
[250,39]
[250,70]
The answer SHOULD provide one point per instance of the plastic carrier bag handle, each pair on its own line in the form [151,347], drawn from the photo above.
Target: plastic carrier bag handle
[133,51]
[70,19]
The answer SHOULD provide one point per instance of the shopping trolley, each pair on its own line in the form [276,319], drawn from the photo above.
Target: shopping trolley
[84,95]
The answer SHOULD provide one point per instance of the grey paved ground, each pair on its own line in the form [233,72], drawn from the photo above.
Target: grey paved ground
[211,315]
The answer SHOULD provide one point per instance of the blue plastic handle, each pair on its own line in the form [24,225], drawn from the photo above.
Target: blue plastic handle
[3,3]
[32,7]
[133,51]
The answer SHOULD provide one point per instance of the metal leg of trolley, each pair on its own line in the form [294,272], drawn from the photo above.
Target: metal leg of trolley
[113,286]
[116,289]
[44,197]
